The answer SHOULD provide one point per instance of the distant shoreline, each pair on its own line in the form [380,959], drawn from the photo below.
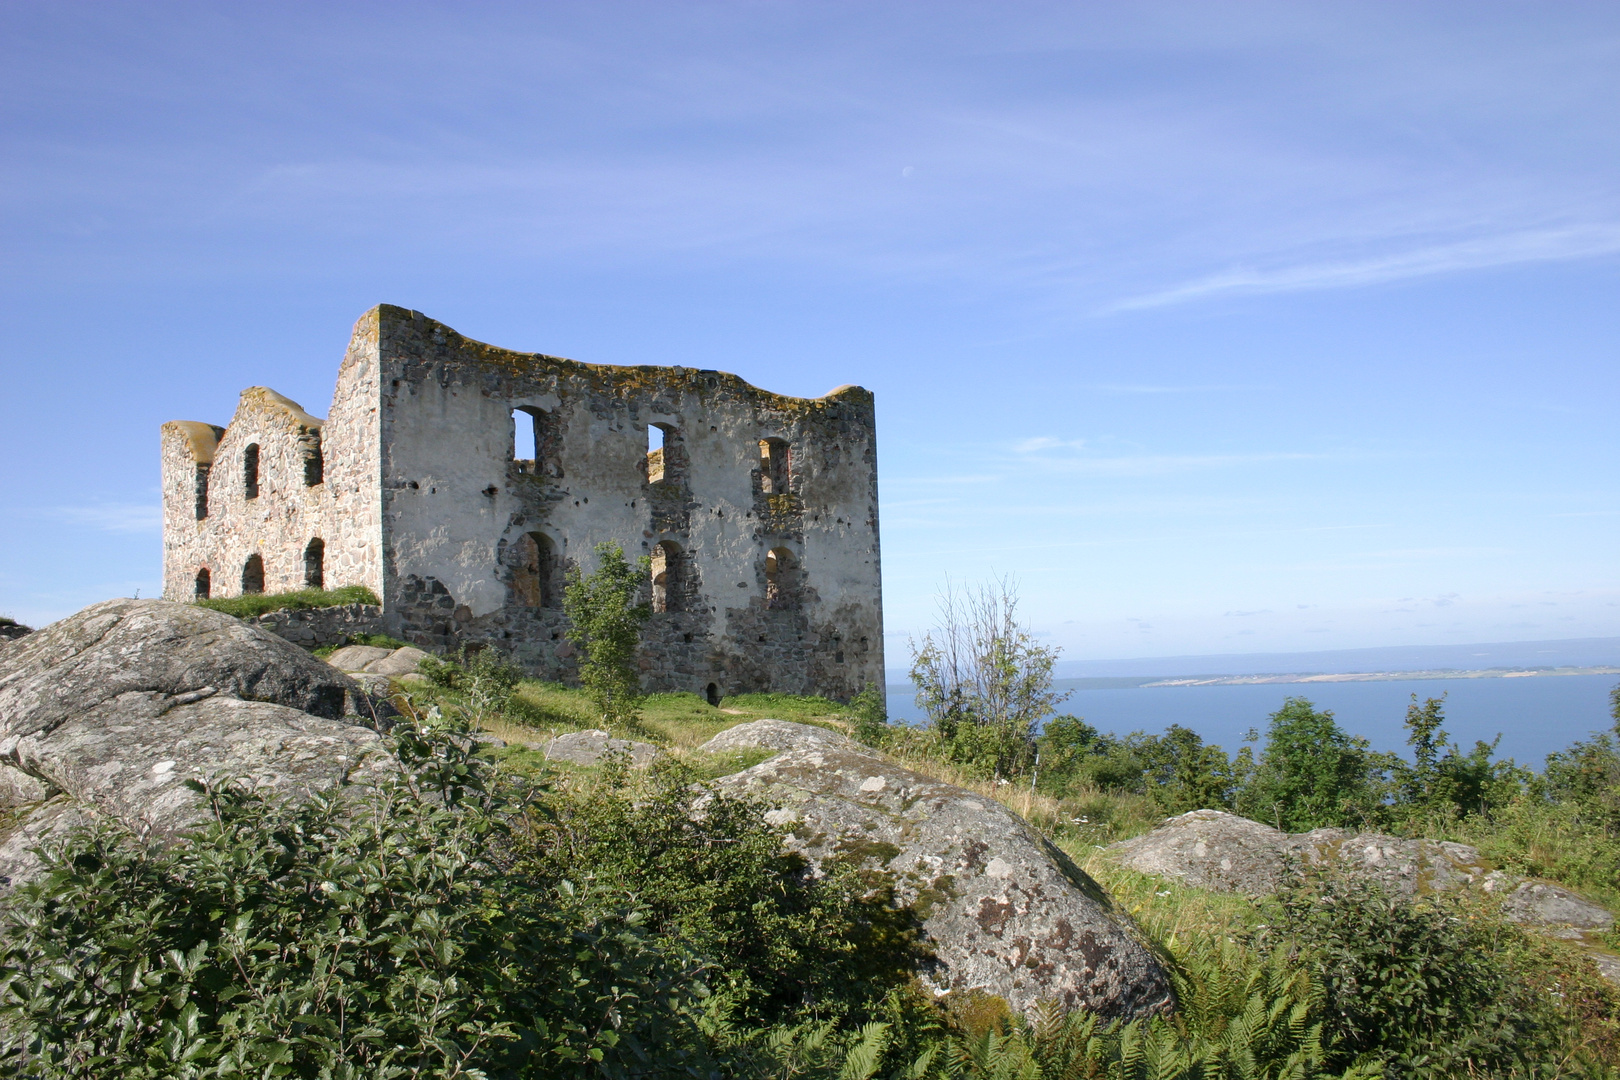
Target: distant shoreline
[1142,682]
[1374,676]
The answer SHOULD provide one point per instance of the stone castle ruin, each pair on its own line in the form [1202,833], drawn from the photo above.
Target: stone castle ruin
[460,482]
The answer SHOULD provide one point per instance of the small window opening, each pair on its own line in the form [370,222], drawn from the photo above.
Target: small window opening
[309,448]
[250,471]
[666,577]
[201,588]
[523,435]
[202,489]
[711,693]
[658,453]
[773,466]
[781,579]
[534,566]
[253,575]
[315,564]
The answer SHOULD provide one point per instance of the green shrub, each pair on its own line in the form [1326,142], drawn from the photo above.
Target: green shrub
[1312,774]
[871,712]
[605,615]
[255,604]
[371,936]
[1429,987]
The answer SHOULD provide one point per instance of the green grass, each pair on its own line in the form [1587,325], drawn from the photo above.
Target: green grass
[254,604]
[376,641]
[7,622]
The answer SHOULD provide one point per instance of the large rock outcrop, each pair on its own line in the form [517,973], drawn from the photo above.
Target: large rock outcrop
[1005,912]
[1216,850]
[109,711]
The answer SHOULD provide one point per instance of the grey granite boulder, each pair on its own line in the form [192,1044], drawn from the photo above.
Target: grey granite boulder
[1556,910]
[590,747]
[356,657]
[401,661]
[1004,911]
[779,735]
[1216,850]
[115,707]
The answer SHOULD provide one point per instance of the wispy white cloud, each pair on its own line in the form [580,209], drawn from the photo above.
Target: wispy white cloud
[109,517]
[1528,246]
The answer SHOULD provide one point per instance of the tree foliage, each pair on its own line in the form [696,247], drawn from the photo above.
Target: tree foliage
[606,612]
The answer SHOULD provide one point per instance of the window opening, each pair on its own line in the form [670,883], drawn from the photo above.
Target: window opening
[202,489]
[309,446]
[250,471]
[781,578]
[773,466]
[666,577]
[201,587]
[523,435]
[533,568]
[253,575]
[657,450]
[315,564]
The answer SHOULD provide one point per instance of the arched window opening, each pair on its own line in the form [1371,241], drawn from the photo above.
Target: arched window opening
[250,471]
[315,564]
[666,577]
[202,586]
[202,489]
[253,575]
[656,445]
[711,694]
[533,567]
[774,470]
[781,579]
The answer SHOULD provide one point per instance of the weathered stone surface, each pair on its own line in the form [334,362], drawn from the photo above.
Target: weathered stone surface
[1005,912]
[316,628]
[18,788]
[415,486]
[590,747]
[1216,850]
[1542,904]
[120,704]
[43,823]
[356,657]
[779,735]
[399,662]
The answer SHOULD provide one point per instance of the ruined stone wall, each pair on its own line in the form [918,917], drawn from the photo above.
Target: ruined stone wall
[316,628]
[457,507]
[761,510]
[259,487]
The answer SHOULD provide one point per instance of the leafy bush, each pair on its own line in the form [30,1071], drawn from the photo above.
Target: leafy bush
[1312,774]
[1428,986]
[373,936]
[255,604]
[871,711]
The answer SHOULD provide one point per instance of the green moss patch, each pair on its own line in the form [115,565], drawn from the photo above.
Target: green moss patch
[255,604]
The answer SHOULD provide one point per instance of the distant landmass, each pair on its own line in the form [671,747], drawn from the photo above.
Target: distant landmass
[1493,659]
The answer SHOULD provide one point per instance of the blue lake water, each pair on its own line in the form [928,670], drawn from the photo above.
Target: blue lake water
[1535,716]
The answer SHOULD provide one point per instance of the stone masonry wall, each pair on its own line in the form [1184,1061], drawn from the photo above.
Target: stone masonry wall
[316,628]
[760,510]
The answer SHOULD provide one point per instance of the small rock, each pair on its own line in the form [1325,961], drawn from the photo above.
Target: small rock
[1539,903]
[18,788]
[401,661]
[590,747]
[353,658]
[484,739]
[778,735]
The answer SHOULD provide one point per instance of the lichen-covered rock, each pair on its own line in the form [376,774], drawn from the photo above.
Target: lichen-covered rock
[46,822]
[778,735]
[1555,909]
[1005,912]
[117,706]
[399,662]
[356,657]
[1216,850]
[590,747]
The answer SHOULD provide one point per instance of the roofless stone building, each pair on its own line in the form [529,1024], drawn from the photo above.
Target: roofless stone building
[460,481]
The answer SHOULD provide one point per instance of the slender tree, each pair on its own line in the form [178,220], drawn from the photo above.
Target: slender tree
[606,611]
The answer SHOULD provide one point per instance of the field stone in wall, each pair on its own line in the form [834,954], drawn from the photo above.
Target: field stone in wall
[1005,912]
[116,706]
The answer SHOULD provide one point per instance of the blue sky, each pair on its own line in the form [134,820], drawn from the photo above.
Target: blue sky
[1221,327]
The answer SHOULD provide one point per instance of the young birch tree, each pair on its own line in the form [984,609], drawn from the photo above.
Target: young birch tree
[984,681]
[606,611]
